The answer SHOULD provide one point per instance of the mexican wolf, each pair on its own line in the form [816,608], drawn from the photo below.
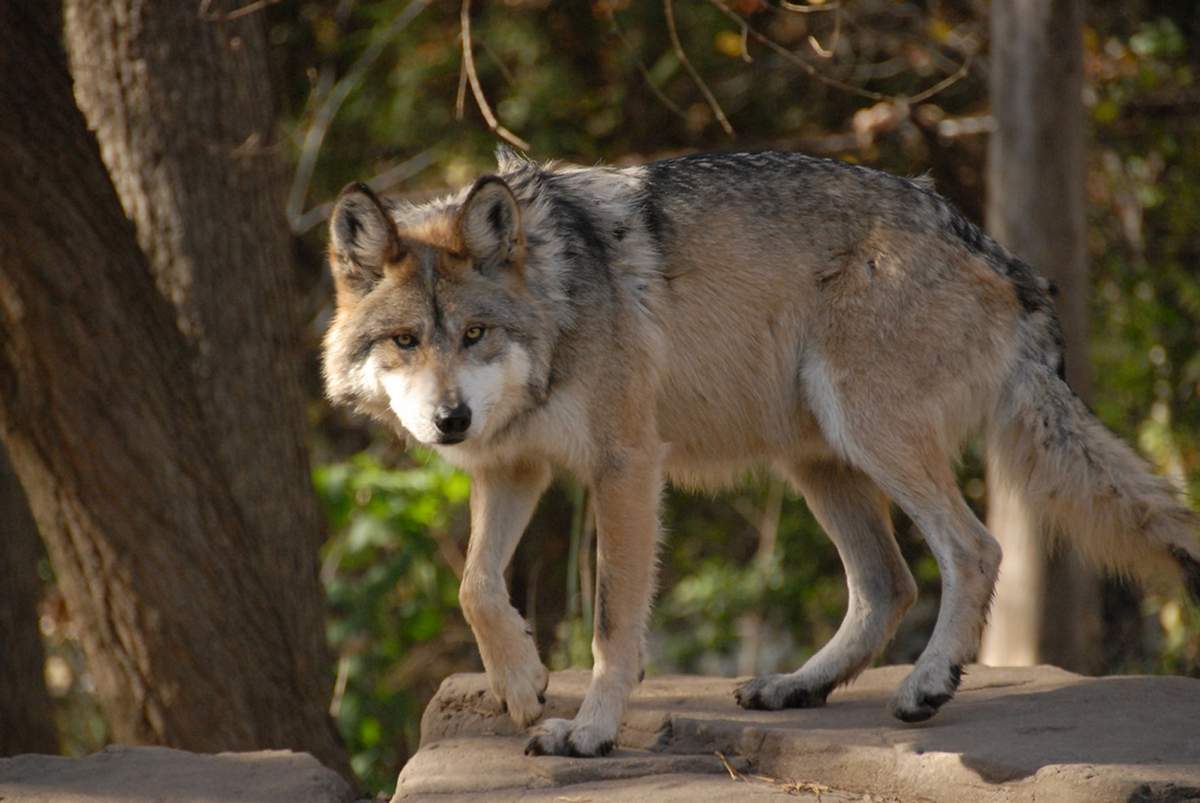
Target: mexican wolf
[692,319]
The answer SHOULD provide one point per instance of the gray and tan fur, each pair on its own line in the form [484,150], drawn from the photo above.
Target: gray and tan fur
[693,318]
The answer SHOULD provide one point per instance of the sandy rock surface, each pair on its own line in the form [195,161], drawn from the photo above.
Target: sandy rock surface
[1011,735]
[151,774]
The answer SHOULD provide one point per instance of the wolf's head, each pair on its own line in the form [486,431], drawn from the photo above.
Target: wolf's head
[434,327]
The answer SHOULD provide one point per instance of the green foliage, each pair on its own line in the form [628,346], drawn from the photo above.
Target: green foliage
[1144,183]
[390,593]
[719,583]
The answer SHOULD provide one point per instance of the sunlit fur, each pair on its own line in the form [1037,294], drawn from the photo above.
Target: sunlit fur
[692,319]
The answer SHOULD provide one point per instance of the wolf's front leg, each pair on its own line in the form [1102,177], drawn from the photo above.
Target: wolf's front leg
[627,497]
[502,502]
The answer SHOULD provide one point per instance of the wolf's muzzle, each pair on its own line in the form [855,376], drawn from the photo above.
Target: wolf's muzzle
[452,422]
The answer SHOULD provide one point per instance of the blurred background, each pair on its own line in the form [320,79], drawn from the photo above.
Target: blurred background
[378,91]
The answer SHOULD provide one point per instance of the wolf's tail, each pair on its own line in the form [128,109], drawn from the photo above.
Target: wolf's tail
[1088,486]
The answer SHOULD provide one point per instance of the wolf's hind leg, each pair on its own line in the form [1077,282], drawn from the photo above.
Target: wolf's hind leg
[502,502]
[627,539]
[968,559]
[856,516]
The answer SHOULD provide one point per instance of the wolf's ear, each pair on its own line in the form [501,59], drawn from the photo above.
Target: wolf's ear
[362,237]
[489,224]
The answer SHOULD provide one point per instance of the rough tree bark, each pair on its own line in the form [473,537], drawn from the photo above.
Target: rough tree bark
[1047,609]
[187,554]
[26,715]
[182,108]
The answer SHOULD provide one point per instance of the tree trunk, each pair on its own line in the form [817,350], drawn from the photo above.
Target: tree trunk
[1047,609]
[182,108]
[26,715]
[199,602]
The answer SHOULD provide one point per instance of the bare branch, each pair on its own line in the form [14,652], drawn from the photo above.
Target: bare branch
[788,787]
[249,8]
[669,9]
[476,89]
[460,99]
[969,126]
[801,8]
[827,53]
[500,65]
[333,101]
[945,83]
[658,93]
[380,183]
[792,58]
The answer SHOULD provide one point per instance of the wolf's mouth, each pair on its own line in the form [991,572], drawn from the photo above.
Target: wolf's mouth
[450,440]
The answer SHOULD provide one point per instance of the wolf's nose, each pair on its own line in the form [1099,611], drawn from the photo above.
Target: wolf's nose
[452,420]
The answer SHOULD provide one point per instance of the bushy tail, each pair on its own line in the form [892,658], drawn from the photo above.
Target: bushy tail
[1088,486]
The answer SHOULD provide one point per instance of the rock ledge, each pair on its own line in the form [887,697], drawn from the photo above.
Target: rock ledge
[1010,735]
[120,774]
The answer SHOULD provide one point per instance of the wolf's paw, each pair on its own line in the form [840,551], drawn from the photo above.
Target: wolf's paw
[563,737]
[774,692]
[520,685]
[925,690]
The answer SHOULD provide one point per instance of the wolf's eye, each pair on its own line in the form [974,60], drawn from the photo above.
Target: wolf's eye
[473,335]
[405,341]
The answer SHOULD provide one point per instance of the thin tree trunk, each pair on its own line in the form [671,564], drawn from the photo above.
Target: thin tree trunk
[1046,609]
[201,619]
[26,714]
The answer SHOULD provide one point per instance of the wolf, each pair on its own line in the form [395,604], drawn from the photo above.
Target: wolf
[692,319]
